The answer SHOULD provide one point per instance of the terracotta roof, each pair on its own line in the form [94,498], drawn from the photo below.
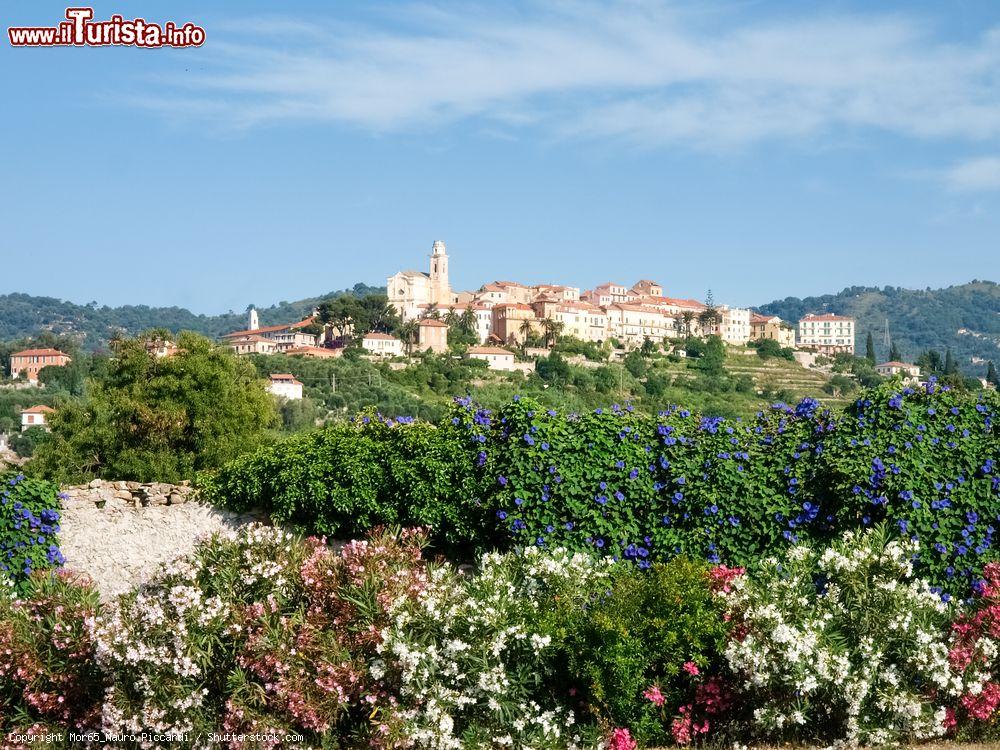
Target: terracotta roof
[314,351]
[513,306]
[284,377]
[758,318]
[39,410]
[826,316]
[489,350]
[380,336]
[39,353]
[432,322]
[492,287]
[895,364]
[253,337]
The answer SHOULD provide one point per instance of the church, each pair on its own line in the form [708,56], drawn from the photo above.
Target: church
[410,292]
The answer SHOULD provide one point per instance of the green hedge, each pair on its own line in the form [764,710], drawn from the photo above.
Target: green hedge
[29,525]
[647,488]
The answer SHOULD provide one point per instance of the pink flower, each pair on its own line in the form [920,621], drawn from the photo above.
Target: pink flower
[691,668]
[654,695]
[621,739]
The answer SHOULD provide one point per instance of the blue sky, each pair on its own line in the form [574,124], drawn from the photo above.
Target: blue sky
[761,149]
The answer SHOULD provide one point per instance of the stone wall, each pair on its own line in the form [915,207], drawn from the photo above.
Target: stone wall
[120,495]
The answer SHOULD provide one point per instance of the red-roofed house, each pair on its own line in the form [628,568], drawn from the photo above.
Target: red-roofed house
[285,386]
[35,417]
[285,336]
[494,356]
[891,369]
[382,345]
[432,334]
[30,361]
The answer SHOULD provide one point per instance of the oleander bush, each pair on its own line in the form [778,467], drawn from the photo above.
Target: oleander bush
[29,525]
[844,644]
[270,640]
[49,680]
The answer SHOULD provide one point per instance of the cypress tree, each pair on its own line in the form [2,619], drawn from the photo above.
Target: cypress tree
[991,375]
[870,348]
[950,365]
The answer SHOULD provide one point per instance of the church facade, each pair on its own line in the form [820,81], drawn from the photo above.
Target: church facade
[410,292]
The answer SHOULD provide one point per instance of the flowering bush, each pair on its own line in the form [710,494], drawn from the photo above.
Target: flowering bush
[843,643]
[29,523]
[48,676]
[256,632]
[647,653]
[975,651]
[472,657]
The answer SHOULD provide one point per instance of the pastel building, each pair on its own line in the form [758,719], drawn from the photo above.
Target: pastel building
[494,356]
[412,291]
[285,385]
[36,416]
[382,345]
[764,327]
[30,361]
[907,371]
[432,335]
[286,336]
[827,333]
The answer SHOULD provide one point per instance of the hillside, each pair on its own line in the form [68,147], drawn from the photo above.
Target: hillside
[965,318]
[23,315]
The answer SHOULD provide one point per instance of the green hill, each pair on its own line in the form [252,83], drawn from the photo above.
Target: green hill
[22,315]
[965,318]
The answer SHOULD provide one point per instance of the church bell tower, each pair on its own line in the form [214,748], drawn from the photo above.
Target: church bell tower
[440,288]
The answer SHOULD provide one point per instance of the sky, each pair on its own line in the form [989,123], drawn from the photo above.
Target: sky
[758,149]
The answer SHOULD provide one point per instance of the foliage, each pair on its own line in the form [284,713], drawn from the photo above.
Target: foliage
[771,349]
[159,418]
[658,633]
[256,632]
[48,677]
[472,655]
[350,477]
[94,326]
[919,319]
[29,524]
[25,442]
[843,644]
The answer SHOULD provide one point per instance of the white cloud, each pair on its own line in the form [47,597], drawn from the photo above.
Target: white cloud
[974,175]
[642,71]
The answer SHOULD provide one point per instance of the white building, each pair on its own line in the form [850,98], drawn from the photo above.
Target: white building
[734,325]
[382,345]
[411,291]
[282,337]
[494,356]
[828,334]
[285,386]
[892,369]
[36,416]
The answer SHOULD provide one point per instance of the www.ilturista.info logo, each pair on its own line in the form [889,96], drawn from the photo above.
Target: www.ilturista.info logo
[80,30]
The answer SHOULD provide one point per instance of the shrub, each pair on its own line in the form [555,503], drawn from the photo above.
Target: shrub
[29,524]
[648,647]
[843,644]
[471,658]
[346,479]
[49,680]
[256,632]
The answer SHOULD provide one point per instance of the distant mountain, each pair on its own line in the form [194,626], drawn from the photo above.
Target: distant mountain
[22,315]
[965,318]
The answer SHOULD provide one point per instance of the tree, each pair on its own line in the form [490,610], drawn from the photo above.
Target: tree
[950,365]
[408,332]
[684,322]
[710,317]
[159,419]
[870,348]
[551,330]
[648,348]
[713,359]
[525,330]
[553,368]
[894,354]
[991,375]
[930,362]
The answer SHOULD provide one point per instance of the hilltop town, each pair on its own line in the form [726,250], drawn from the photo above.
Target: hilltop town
[508,313]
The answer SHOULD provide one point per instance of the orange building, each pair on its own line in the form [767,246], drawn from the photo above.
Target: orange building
[30,361]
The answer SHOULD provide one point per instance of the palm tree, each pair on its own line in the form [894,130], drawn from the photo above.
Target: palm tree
[525,330]
[687,318]
[409,331]
[552,329]
[433,311]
